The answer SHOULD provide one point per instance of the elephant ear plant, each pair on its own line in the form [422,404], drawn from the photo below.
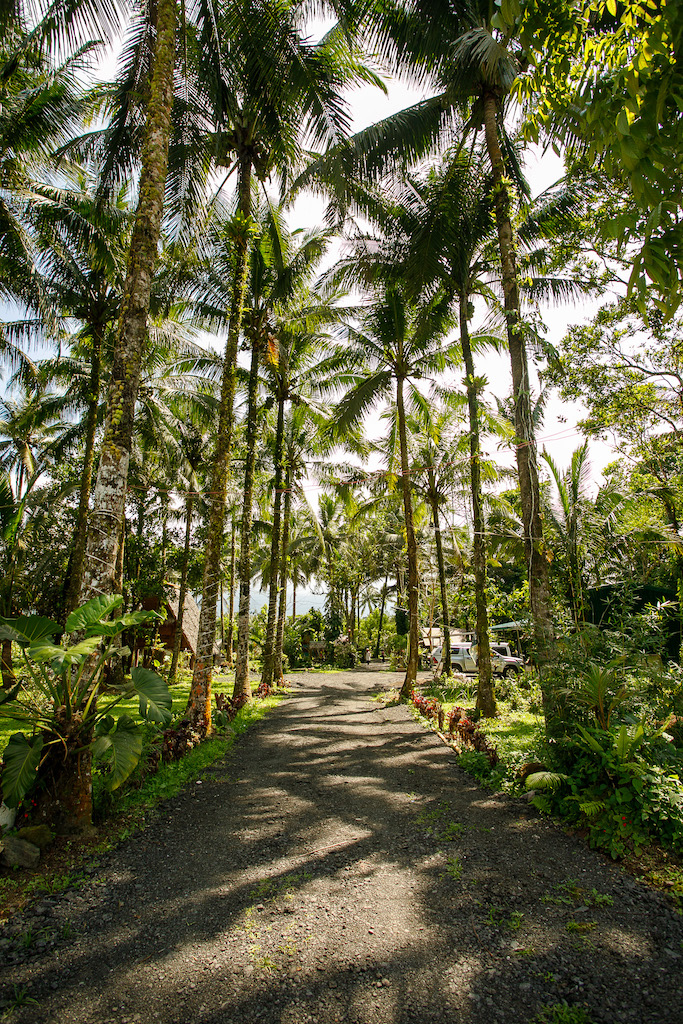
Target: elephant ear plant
[66,698]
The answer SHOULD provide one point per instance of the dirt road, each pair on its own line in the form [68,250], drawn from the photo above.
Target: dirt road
[341,867]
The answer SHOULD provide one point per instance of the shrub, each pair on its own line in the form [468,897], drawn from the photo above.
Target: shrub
[462,727]
[344,652]
[608,787]
[429,707]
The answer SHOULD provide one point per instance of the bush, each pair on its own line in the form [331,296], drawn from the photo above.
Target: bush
[607,786]
[345,655]
[293,644]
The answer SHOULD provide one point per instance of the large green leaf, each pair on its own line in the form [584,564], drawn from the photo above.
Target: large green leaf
[623,743]
[591,741]
[21,757]
[9,695]
[116,626]
[155,698]
[62,658]
[544,780]
[89,615]
[122,748]
[27,629]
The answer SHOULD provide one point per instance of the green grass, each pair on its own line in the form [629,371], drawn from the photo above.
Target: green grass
[221,683]
[562,1014]
[518,733]
[515,730]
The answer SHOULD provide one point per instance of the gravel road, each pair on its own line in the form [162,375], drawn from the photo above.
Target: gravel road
[339,866]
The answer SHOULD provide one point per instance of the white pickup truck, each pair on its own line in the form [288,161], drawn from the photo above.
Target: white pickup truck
[464,659]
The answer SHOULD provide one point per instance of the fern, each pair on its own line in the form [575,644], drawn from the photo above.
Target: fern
[545,780]
[591,808]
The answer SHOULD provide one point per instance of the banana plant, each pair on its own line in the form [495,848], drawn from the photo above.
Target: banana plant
[61,696]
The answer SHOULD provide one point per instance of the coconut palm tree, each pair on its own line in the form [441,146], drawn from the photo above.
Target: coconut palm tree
[269,89]
[110,487]
[468,54]
[280,271]
[566,514]
[42,103]
[394,345]
[295,374]
[83,244]
[437,462]
[449,226]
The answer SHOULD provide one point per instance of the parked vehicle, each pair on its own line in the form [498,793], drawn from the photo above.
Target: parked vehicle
[464,659]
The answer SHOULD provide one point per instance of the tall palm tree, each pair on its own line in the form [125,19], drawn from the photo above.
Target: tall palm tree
[112,476]
[269,89]
[305,437]
[293,375]
[566,520]
[42,103]
[83,244]
[449,225]
[437,465]
[280,271]
[394,345]
[467,54]
[192,446]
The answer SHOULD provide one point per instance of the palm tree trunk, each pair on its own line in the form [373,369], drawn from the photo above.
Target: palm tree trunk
[411,545]
[99,576]
[9,679]
[164,538]
[269,645]
[381,616]
[120,555]
[242,687]
[178,638]
[112,477]
[231,603]
[527,470]
[282,610]
[81,529]
[199,702]
[446,649]
[486,700]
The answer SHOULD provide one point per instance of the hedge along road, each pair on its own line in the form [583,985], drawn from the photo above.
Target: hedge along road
[339,866]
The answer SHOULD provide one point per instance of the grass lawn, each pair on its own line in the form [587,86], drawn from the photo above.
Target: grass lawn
[222,683]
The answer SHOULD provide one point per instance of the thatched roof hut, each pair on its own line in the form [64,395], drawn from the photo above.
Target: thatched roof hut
[166,635]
